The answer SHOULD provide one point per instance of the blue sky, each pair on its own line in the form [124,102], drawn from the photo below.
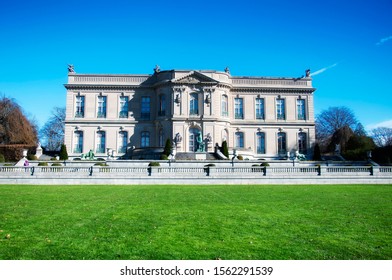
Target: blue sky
[346,44]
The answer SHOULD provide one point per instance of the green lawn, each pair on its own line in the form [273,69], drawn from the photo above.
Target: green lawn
[196,222]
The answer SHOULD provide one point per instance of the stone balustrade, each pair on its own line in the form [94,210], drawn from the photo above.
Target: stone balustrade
[191,172]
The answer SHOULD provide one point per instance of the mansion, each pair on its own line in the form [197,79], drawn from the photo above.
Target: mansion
[258,117]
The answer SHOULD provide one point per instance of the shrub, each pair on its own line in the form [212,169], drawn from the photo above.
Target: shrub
[32,157]
[43,164]
[154,163]
[164,157]
[63,152]
[53,158]
[2,158]
[209,165]
[56,164]
[317,152]
[265,164]
[101,164]
[239,157]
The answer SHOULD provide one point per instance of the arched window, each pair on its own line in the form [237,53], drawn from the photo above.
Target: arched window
[194,104]
[239,139]
[101,142]
[225,106]
[302,143]
[145,139]
[78,142]
[122,141]
[260,137]
[282,143]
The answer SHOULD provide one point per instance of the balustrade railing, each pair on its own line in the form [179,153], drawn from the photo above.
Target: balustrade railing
[188,171]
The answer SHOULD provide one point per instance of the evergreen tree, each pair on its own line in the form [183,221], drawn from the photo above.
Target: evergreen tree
[225,149]
[63,152]
[168,147]
[317,152]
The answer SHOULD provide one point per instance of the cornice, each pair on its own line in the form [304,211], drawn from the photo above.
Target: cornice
[272,90]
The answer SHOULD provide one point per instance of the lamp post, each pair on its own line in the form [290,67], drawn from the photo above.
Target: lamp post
[234,156]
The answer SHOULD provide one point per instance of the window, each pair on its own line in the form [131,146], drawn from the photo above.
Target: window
[101,142]
[239,139]
[162,105]
[122,141]
[194,104]
[161,139]
[302,143]
[260,142]
[281,143]
[78,142]
[146,108]
[145,139]
[79,110]
[225,106]
[123,107]
[260,108]
[101,113]
[280,109]
[301,112]
[238,108]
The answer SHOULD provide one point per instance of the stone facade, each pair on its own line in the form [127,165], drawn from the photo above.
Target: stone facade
[259,117]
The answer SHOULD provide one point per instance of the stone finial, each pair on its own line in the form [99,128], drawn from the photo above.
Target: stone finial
[71,68]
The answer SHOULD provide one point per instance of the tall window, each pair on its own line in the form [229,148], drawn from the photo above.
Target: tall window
[146,108]
[282,143]
[101,113]
[123,107]
[260,108]
[162,105]
[194,104]
[239,139]
[280,109]
[260,142]
[302,143]
[122,141]
[225,106]
[101,142]
[79,110]
[301,112]
[78,142]
[145,139]
[239,108]
[161,139]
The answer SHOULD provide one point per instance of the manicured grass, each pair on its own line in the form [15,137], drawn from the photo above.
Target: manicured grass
[196,222]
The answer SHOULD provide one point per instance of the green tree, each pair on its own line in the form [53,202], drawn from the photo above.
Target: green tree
[168,147]
[63,152]
[225,149]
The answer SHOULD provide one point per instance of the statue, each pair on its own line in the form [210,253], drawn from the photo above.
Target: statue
[227,70]
[299,156]
[307,72]
[71,68]
[200,144]
[89,156]
[157,69]
[177,138]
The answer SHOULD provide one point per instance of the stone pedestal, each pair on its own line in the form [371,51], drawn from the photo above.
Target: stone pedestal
[200,156]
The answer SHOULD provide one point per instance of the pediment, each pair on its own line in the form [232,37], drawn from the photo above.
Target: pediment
[194,77]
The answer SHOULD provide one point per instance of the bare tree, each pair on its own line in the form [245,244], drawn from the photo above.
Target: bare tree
[382,136]
[52,133]
[331,120]
[15,127]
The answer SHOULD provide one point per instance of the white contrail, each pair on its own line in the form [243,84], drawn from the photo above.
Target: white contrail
[383,40]
[323,69]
